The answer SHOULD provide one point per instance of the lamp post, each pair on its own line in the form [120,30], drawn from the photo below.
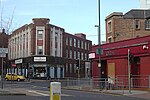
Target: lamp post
[99,40]
[99,35]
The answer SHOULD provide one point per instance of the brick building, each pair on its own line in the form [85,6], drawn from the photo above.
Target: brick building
[38,50]
[133,24]
[4,44]
[76,47]
[115,61]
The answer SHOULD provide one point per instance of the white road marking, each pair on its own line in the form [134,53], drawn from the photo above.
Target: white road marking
[65,95]
[43,94]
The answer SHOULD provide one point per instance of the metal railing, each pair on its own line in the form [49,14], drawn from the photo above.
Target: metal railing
[92,84]
[137,81]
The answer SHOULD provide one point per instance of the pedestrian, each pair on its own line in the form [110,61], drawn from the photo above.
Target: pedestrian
[110,83]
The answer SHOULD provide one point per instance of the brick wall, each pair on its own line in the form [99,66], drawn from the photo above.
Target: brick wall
[123,29]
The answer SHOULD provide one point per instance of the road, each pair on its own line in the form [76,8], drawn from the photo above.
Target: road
[39,91]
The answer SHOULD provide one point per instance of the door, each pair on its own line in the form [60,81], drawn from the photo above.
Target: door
[111,70]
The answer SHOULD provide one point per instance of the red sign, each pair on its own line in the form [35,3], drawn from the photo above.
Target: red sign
[13,65]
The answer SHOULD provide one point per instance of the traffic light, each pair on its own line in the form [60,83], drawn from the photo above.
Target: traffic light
[77,63]
[131,58]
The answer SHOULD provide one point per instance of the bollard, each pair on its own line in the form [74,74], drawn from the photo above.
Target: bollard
[55,91]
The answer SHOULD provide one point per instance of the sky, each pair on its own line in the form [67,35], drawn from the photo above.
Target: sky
[75,16]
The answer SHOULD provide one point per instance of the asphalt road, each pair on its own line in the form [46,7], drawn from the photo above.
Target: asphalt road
[72,95]
[39,91]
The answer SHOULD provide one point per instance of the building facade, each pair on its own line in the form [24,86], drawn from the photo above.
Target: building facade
[37,49]
[76,47]
[132,24]
[115,61]
[145,4]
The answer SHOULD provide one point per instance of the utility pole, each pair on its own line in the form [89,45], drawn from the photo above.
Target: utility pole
[99,41]
[2,53]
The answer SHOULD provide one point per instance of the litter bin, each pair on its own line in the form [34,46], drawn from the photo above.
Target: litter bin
[55,91]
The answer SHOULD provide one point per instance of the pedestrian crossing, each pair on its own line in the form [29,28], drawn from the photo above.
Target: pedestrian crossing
[41,93]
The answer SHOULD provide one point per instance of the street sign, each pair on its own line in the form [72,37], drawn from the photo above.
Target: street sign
[3,50]
[99,51]
[2,55]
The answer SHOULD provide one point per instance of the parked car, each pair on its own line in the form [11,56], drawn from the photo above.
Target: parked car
[14,77]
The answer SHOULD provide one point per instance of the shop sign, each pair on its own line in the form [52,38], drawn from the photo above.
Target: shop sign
[91,55]
[19,61]
[110,53]
[39,59]
[3,50]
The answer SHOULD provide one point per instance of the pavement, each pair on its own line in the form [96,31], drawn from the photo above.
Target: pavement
[145,94]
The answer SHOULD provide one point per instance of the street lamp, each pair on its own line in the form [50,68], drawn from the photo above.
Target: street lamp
[99,40]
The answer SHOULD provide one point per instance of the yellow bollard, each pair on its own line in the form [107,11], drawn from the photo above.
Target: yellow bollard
[55,91]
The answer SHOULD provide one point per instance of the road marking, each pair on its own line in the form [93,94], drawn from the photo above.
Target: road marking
[43,94]
[65,95]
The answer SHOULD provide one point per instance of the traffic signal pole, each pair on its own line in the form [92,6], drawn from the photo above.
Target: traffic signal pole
[129,72]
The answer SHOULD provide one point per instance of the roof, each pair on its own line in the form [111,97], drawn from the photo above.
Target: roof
[137,14]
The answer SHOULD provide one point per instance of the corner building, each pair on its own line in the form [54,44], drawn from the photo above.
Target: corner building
[37,50]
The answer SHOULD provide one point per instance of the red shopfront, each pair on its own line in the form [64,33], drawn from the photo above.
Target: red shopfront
[114,60]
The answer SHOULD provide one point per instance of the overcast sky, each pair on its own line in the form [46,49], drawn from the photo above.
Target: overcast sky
[75,16]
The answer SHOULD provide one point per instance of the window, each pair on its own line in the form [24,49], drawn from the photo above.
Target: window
[82,56]
[74,42]
[109,40]
[85,56]
[78,43]
[70,68]
[85,46]
[23,38]
[75,55]
[78,55]
[137,24]
[66,41]
[66,53]
[66,67]
[147,2]
[40,34]
[147,24]
[70,41]
[55,51]
[82,44]
[109,27]
[88,46]
[40,50]
[74,68]
[70,53]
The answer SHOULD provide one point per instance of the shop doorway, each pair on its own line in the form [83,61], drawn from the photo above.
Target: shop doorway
[40,72]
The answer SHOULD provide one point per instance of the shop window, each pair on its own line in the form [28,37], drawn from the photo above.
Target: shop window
[55,72]
[61,72]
